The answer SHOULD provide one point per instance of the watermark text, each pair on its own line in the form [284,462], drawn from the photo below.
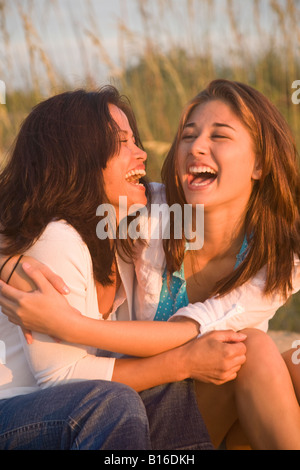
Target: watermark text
[160,222]
[296,354]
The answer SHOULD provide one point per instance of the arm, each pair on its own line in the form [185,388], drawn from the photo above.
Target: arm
[41,311]
[244,307]
[21,281]
[212,358]
[52,362]
[11,270]
[215,358]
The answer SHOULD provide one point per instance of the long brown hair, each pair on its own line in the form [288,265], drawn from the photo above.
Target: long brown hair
[272,218]
[55,171]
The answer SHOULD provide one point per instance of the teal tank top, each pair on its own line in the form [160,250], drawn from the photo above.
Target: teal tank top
[175,296]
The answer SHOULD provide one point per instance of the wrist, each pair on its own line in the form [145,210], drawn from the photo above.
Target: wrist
[74,328]
[67,326]
[181,363]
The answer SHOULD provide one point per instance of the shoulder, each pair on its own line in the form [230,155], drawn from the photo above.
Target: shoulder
[60,230]
[60,243]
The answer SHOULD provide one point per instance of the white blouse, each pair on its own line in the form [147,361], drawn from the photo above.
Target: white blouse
[46,362]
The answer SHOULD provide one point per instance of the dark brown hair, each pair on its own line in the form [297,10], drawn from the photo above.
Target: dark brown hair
[272,220]
[55,171]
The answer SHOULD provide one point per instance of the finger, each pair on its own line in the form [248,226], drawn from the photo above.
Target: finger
[229,378]
[37,277]
[240,360]
[229,375]
[56,281]
[230,336]
[236,349]
[11,316]
[8,292]
[28,336]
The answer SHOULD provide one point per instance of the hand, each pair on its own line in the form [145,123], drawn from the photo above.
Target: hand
[25,283]
[18,280]
[41,309]
[216,357]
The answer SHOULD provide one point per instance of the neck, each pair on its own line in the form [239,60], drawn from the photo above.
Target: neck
[224,232]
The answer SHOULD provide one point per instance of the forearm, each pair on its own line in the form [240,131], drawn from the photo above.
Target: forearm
[142,374]
[131,338]
[55,317]
[214,358]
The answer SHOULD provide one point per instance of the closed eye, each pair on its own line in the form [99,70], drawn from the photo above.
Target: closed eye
[126,138]
[188,137]
[219,136]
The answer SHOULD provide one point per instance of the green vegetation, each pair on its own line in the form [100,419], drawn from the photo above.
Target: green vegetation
[255,41]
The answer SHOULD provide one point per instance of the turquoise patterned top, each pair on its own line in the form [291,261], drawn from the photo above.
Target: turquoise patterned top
[175,297]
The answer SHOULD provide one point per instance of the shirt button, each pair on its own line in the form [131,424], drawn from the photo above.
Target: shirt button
[239,309]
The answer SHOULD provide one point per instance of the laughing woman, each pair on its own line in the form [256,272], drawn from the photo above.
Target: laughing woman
[74,152]
[234,154]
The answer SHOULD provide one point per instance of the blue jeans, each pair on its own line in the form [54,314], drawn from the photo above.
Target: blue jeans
[174,418]
[100,415]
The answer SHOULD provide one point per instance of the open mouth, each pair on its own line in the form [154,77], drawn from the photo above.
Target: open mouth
[200,176]
[134,176]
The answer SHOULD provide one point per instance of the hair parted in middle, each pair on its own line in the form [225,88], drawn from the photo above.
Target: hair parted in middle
[272,222]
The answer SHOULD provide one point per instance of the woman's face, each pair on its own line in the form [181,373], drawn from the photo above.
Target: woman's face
[216,161]
[123,171]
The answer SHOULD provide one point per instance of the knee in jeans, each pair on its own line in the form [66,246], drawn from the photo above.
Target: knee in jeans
[123,403]
[131,406]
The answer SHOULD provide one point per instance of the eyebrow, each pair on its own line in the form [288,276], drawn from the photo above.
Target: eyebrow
[221,124]
[215,124]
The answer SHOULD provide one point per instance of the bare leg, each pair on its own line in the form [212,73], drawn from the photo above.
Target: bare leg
[267,406]
[262,398]
[236,439]
[217,406]
[218,409]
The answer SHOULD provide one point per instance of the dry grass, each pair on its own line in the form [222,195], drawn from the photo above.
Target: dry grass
[159,77]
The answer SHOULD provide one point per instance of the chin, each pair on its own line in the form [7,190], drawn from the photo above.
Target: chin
[142,201]
[194,199]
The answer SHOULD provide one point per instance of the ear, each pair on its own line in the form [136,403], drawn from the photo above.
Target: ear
[257,170]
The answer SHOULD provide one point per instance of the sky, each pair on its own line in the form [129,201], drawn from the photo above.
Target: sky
[64,30]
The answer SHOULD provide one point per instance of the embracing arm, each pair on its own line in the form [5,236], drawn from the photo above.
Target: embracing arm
[244,307]
[12,269]
[215,357]
[47,311]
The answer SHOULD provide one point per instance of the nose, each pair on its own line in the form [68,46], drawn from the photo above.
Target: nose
[140,154]
[199,145]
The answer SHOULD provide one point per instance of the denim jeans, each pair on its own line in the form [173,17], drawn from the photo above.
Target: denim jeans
[101,415]
[82,415]
[174,418]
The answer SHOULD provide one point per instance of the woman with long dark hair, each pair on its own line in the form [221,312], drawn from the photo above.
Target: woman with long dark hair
[233,153]
[74,152]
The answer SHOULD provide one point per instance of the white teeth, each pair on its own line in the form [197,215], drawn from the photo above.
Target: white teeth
[201,169]
[138,172]
[133,176]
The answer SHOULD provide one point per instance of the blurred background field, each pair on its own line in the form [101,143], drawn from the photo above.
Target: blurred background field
[158,52]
